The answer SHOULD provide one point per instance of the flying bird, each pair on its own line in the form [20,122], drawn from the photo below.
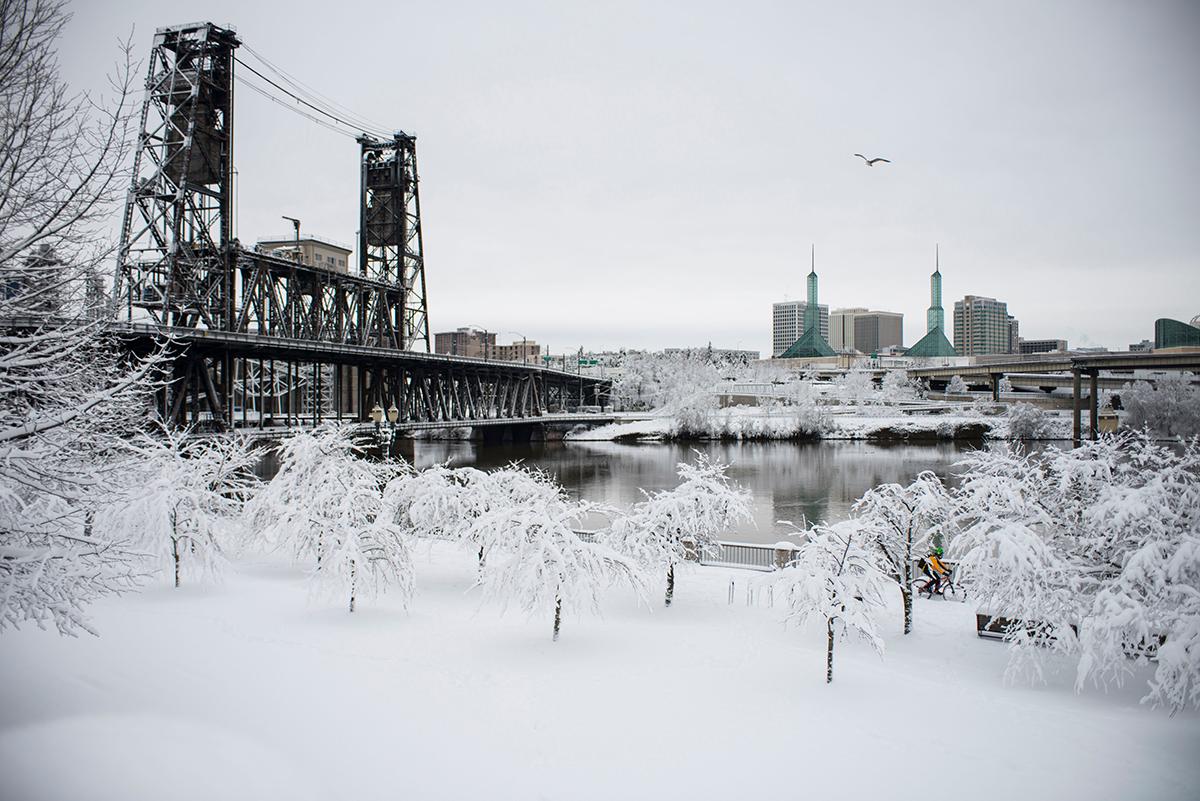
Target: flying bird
[871,162]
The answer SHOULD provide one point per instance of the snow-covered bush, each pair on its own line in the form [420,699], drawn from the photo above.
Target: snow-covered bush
[836,577]
[1096,552]
[537,559]
[855,386]
[1026,421]
[902,522]
[670,525]
[802,418]
[897,387]
[1170,409]
[327,504]
[184,499]
[1005,385]
[956,386]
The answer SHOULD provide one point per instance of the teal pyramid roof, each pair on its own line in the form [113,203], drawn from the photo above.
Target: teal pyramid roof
[811,345]
[932,344]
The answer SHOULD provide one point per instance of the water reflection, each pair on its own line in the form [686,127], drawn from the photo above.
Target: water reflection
[814,482]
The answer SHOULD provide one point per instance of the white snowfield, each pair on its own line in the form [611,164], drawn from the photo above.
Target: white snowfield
[243,690]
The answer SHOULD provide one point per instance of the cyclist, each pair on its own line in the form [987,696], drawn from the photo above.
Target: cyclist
[937,571]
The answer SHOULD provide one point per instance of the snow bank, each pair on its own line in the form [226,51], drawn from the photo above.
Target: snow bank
[242,691]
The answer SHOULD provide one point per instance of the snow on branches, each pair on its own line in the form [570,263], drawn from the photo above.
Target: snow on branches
[836,577]
[671,525]
[67,395]
[184,498]
[328,503]
[539,561]
[1171,409]
[1096,552]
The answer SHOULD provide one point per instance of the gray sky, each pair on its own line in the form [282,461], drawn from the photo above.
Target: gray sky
[614,175]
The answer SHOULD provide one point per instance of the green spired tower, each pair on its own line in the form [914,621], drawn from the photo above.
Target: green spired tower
[810,344]
[934,344]
[812,314]
[935,317]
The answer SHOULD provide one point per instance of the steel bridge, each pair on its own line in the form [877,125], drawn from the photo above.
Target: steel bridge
[258,338]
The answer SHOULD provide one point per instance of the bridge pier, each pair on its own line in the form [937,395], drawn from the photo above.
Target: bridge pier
[996,386]
[1076,422]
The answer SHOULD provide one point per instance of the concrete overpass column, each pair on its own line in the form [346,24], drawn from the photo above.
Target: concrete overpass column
[996,386]
[1094,404]
[1077,435]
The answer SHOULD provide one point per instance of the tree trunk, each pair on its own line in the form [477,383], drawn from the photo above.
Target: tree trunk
[829,652]
[557,616]
[670,583]
[175,553]
[481,557]
[352,583]
[906,594]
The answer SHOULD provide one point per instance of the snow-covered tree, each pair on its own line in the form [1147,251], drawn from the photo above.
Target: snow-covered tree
[1170,409]
[956,386]
[184,498]
[327,503]
[1096,552]
[1026,421]
[68,396]
[1005,385]
[836,577]
[657,380]
[901,522]
[542,563]
[668,526]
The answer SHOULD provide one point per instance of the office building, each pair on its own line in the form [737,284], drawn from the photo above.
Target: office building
[841,328]
[876,330]
[983,325]
[522,350]
[309,251]
[1028,346]
[466,342]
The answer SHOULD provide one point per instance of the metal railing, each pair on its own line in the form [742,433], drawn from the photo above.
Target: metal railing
[746,555]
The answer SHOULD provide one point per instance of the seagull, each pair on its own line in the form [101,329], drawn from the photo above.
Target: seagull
[871,162]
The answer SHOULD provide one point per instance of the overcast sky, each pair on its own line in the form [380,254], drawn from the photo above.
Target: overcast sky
[612,175]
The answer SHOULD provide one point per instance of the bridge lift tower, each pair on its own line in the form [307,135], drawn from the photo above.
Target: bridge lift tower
[389,239]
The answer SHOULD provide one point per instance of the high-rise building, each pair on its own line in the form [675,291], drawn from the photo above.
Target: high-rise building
[934,344]
[874,330]
[983,325]
[787,323]
[841,328]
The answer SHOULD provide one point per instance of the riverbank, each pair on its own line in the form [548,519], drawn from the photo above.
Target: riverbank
[872,424]
[245,690]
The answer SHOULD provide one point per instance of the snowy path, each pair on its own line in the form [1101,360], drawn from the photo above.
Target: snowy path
[243,690]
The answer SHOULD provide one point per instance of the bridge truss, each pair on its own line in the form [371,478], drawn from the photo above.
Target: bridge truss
[259,338]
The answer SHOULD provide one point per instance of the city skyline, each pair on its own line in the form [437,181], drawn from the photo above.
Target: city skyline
[650,177]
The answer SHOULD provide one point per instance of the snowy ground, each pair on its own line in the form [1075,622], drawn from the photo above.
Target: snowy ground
[245,690]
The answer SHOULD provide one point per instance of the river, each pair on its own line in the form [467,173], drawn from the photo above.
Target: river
[814,482]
